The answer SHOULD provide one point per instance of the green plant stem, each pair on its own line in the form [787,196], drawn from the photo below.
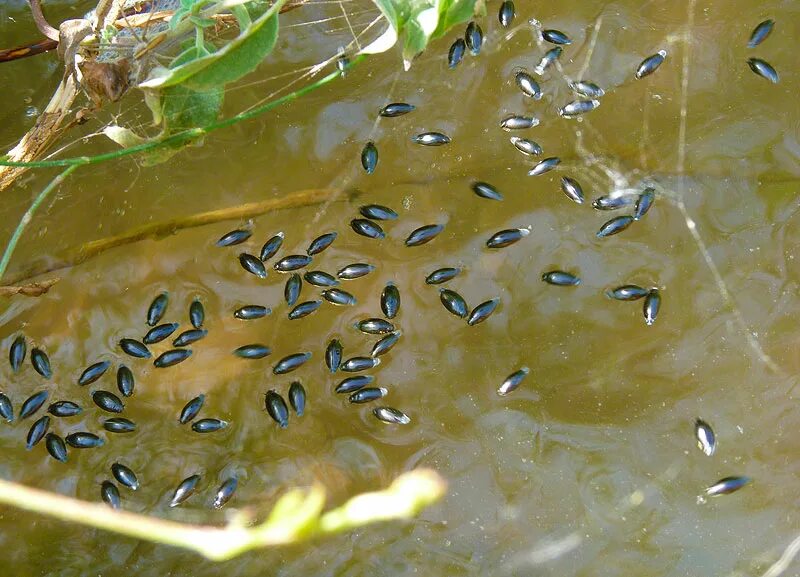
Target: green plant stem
[26,218]
[186,135]
[297,516]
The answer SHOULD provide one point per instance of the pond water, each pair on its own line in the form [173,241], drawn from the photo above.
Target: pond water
[589,467]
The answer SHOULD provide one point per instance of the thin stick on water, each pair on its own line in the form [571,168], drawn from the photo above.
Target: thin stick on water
[690,223]
[26,218]
[79,254]
[297,516]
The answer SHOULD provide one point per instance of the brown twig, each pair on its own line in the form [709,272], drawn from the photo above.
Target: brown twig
[41,22]
[77,255]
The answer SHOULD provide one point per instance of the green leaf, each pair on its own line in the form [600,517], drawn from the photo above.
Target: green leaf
[418,22]
[184,108]
[238,58]
[202,22]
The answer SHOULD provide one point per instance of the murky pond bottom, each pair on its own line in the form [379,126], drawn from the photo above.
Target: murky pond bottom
[590,466]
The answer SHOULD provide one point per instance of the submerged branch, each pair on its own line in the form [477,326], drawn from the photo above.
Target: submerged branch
[296,516]
[34,289]
[79,254]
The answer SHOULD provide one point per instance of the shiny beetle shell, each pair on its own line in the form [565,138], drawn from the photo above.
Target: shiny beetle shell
[304,309]
[396,109]
[442,275]
[628,292]
[320,243]
[486,190]
[108,401]
[157,309]
[333,355]
[588,89]
[526,147]
[291,291]
[172,357]
[292,262]
[159,332]
[377,212]
[456,53]
[209,425]
[356,364]
[250,312]
[367,394]
[760,33]
[277,409]
[271,247]
[507,237]
[64,409]
[135,349]
[614,226]
[125,476]
[119,425]
[424,234]
[56,447]
[727,485]
[16,354]
[369,157]
[374,326]
[320,278]
[252,351]
[184,490]
[544,166]
[528,85]
[225,492]
[338,296]
[33,404]
[191,409]
[454,302]
[37,431]
[355,383]
[577,108]
[763,69]
[6,408]
[572,189]
[84,440]
[390,300]
[651,64]
[506,13]
[290,363]
[384,345]
[234,237]
[613,201]
[355,270]
[197,314]
[297,398]
[706,440]
[391,415]
[41,363]
[513,381]
[517,122]
[189,337]
[431,139]
[643,203]
[560,278]
[125,381]
[548,60]
[555,37]
[252,264]
[110,494]
[652,304]
[367,228]
[474,38]
[482,312]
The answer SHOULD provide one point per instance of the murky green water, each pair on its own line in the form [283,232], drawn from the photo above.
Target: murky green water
[590,467]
